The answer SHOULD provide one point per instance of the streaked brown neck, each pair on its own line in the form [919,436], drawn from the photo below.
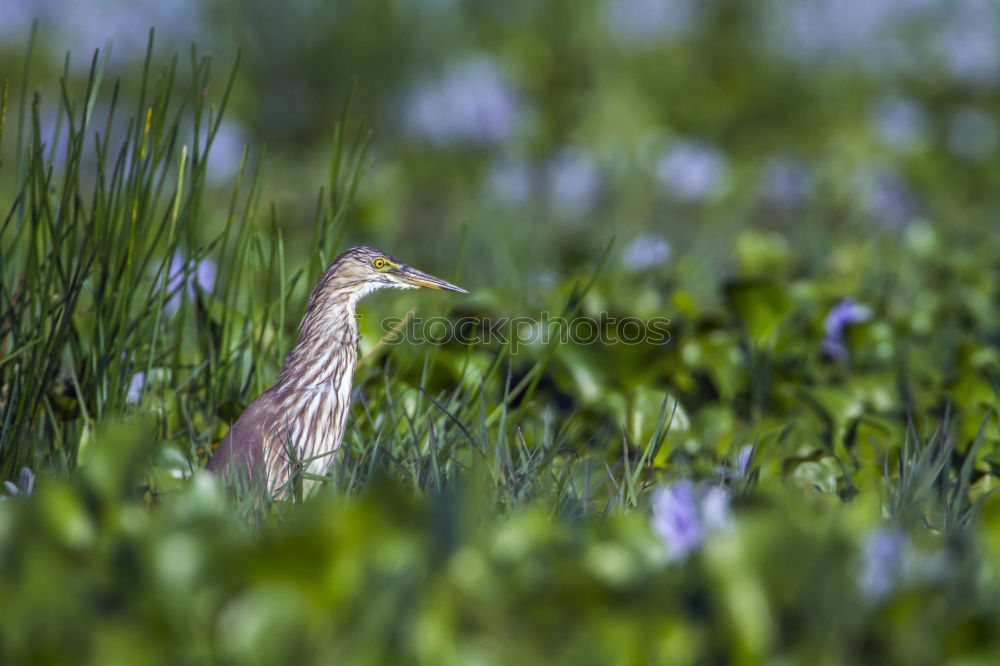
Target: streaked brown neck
[328,336]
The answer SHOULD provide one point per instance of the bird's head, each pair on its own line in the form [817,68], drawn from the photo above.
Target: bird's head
[361,270]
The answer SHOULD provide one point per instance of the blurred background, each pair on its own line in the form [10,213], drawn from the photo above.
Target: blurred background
[550,127]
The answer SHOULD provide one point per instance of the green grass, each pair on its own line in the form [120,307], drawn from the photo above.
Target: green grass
[487,506]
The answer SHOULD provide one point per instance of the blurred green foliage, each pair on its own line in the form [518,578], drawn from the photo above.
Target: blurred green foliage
[91,574]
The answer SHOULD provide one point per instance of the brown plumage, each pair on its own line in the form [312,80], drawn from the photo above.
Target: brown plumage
[298,423]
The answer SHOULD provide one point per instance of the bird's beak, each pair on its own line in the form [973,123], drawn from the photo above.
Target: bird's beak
[408,275]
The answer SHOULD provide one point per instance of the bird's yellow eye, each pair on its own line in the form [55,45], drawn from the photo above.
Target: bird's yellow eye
[380,263]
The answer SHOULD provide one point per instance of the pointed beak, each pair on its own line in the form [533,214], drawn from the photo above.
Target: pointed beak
[417,278]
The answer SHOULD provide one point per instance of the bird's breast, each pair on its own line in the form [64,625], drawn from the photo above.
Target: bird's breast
[311,422]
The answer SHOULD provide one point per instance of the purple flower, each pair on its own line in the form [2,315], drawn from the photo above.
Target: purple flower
[470,102]
[885,195]
[24,486]
[646,251]
[17,19]
[135,387]
[743,459]
[82,26]
[691,170]
[968,42]
[52,136]
[882,558]
[205,274]
[843,314]
[900,122]
[644,21]
[573,181]
[226,152]
[824,30]
[184,275]
[785,182]
[715,508]
[684,514]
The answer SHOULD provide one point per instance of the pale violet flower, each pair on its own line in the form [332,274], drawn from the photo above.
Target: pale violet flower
[644,21]
[135,387]
[18,16]
[900,122]
[25,484]
[885,195]
[843,314]
[883,555]
[871,31]
[785,182]
[968,42]
[685,513]
[469,102]
[646,251]
[184,276]
[52,137]
[889,37]
[82,26]
[574,181]
[889,559]
[691,170]
[738,467]
[972,134]
[743,458]
[226,153]
[715,508]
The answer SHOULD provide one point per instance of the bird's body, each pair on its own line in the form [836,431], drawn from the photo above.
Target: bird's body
[298,424]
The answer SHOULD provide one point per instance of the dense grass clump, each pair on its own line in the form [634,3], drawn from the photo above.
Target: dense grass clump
[801,472]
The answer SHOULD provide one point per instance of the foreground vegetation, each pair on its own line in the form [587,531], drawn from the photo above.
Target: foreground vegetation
[802,472]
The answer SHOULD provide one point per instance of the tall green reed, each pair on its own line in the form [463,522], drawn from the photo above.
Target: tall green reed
[107,216]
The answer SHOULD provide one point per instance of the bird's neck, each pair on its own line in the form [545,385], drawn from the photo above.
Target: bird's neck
[326,352]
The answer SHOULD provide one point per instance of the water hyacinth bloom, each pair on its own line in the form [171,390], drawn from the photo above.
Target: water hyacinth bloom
[469,103]
[184,275]
[573,181]
[968,42]
[643,21]
[135,387]
[785,182]
[715,508]
[743,459]
[18,16]
[24,486]
[962,36]
[82,26]
[843,314]
[226,152]
[739,467]
[900,122]
[885,195]
[817,31]
[646,251]
[684,514]
[691,170]
[52,137]
[882,558]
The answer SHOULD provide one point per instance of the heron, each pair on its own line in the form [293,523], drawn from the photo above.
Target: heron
[298,424]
